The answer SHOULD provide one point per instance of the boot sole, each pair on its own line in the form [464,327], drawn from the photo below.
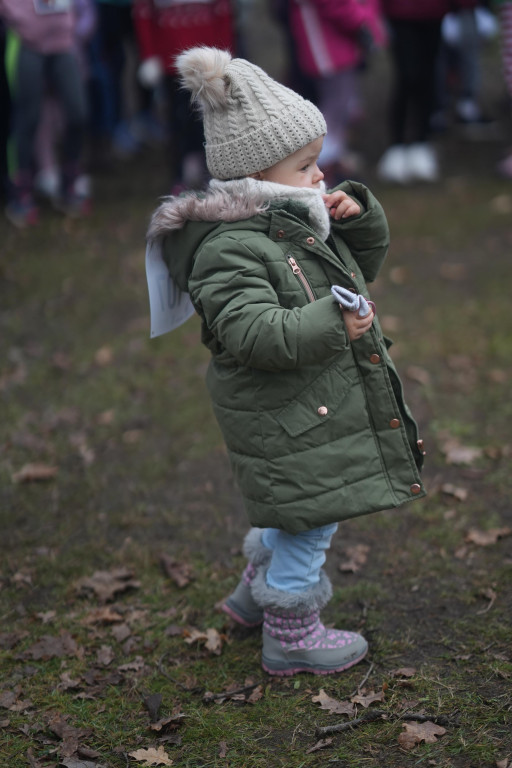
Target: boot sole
[295,669]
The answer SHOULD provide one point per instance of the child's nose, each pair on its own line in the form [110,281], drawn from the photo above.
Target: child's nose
[319,176]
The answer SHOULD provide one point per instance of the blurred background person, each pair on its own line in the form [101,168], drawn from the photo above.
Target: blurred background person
[504,8]
[415,37]
[52,123]
[463,33]
[333,41]
[40,52]
[164,29]
[5,115]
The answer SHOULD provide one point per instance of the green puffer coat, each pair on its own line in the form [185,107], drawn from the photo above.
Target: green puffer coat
[316,427]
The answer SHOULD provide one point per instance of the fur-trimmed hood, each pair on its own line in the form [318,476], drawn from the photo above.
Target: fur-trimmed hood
[230,201]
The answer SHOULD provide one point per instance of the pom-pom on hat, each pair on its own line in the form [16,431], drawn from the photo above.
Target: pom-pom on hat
[251,121]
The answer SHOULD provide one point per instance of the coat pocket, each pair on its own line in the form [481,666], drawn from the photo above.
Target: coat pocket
[317,402]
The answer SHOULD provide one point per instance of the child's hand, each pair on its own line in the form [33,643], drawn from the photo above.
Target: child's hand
[357,326]
[340,205]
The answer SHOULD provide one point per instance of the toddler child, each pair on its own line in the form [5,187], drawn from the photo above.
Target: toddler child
[305,393]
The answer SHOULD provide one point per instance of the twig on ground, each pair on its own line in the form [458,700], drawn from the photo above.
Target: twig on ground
[229,694]
[375,714]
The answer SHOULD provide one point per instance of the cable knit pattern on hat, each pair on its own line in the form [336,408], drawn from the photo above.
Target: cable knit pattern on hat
[251,121]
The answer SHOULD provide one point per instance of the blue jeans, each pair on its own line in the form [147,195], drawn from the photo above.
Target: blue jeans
[296,559]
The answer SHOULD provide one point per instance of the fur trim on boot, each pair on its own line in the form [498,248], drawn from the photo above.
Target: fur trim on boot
[240,605]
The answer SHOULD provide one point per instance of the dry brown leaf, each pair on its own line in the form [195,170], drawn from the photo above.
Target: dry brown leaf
[181,573]
[456,453]
[503,763]
[366,699]
[404,672]
[333,705]
[486,538]
[51,647]
[152,756]
[7,699]
[357,557]
[168,723]
[34,473]
[322,744]
[211,639]
[223,749]
[256,695]
[491,595]
[103,615]
[105,655]
[106,584]
[415,732]
[449,489]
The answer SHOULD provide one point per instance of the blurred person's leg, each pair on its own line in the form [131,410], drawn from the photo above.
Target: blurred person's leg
[69,88]
[26,82]
[186,139]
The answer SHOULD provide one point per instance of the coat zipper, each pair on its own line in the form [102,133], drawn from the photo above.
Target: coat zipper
[301,276]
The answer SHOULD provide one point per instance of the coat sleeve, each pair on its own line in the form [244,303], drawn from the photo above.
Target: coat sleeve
[366,235]
[231,290]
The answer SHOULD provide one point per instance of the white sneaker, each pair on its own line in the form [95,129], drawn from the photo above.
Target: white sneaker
[47,183]
[422,163]
[394,165]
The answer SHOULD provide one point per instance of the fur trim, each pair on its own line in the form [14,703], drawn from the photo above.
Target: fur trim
[300,603]
[253,549]
[234,201]
[202,71]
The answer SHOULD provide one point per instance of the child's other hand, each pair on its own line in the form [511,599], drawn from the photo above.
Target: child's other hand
[340,205]
[357,326]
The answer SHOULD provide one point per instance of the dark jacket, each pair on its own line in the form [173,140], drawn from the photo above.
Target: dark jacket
[316,427]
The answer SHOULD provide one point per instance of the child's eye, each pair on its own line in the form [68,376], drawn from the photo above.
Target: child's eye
[305,167]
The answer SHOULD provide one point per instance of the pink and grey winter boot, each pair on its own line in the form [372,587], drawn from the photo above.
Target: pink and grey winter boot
[240,605]
[294,638]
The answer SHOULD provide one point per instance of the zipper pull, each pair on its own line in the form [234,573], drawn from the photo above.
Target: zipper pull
[293,264]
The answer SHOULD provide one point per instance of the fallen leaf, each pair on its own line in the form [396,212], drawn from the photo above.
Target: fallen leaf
[366,700]
[34,473]
[46,616]
[103,615]
[404,672]
[415,732]
[105,655]
[152,756]
[485,538]
[357,557]
[7,699]
[168,723]
[76,762]
[449,489]
[456,453]
[181,573]
[51,647]
[503,763]
[106,584]
[223,749]
[211,638]
[322,744]
[333,705]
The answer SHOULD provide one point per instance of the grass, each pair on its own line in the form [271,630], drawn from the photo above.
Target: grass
[142,470]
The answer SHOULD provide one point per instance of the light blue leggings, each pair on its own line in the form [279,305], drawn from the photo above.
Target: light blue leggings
[296,559]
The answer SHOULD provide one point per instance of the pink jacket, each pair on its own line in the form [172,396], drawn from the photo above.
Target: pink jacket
[328,32]
[51,29]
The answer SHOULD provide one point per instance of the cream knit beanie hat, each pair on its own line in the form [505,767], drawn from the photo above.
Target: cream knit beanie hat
[251,121]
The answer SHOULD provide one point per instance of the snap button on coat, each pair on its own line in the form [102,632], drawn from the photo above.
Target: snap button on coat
[394,423]
[280,233]
[310,240]
[415,488]
[375,358]
[323,410]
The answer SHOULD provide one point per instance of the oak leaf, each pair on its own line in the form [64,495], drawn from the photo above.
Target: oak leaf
[357,557]
[333,705]
[181,573]
[152,756]
[415,732]
[106,584]
[370,698]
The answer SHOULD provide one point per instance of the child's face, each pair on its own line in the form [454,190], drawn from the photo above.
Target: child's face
[299,169]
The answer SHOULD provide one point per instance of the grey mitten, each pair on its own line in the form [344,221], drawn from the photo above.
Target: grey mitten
[354,302]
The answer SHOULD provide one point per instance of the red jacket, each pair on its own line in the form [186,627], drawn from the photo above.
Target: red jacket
[167,27]
[328,32]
